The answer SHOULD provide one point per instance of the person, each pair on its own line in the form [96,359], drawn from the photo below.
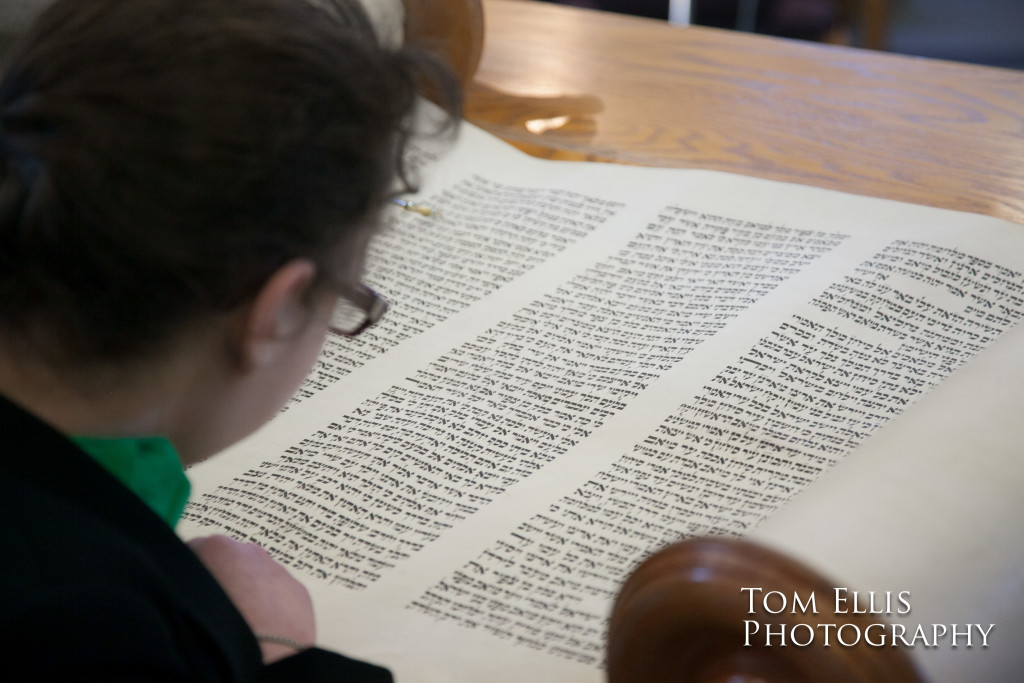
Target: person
[187,192]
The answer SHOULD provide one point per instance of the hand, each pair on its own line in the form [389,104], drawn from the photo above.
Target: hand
[270,599]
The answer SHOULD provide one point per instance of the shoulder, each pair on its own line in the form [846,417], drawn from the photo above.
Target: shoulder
[91,578]
[315,665]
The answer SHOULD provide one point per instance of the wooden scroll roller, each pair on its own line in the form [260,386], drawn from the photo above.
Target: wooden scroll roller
[681,616]
[450,29]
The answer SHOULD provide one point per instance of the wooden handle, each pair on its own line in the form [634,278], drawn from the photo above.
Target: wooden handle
[681,617]
[452,30]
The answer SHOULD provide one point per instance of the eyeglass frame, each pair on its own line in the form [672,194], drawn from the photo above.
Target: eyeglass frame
[372,304]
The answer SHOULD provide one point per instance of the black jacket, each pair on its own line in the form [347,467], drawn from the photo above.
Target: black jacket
[95,586]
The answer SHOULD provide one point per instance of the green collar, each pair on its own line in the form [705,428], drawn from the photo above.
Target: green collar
[149,467]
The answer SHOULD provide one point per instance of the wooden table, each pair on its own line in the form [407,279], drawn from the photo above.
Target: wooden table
[624,89]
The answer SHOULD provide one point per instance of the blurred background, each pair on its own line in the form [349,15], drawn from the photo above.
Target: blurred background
[979,31]
[987,32]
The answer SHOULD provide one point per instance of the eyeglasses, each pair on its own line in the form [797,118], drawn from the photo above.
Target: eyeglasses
[357,310]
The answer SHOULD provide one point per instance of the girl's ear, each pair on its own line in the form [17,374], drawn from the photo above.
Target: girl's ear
[276,316]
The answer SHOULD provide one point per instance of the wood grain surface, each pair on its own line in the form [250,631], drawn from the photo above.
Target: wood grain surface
[568,83]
